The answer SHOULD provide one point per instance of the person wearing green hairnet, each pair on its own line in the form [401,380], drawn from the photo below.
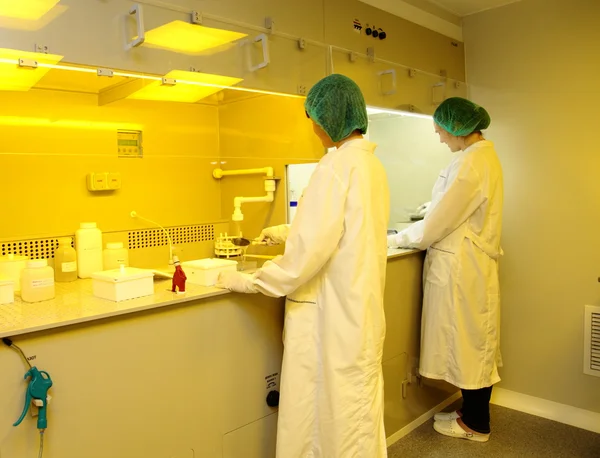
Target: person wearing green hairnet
[461,304]
[333,274]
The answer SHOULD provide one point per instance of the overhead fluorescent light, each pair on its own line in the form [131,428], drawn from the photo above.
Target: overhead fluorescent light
[175,86]
[31,10]
[373,110]
[188,38]
[21,70]
[182,92]
[19,121]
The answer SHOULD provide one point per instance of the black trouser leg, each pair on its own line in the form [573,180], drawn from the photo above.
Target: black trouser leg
[476,409]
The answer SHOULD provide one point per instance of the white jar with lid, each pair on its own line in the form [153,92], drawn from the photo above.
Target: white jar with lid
[11,267]
[88,241]
[114,256]
[37,281]
[65,261]
[7,291]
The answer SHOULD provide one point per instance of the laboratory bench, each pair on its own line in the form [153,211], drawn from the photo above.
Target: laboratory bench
[180,375]
[74,303]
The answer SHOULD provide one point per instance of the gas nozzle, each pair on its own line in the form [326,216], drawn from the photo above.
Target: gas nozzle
[37,390]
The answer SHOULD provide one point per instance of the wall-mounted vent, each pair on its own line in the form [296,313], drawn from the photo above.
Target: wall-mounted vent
[591,360]
[35,249]
[184,234]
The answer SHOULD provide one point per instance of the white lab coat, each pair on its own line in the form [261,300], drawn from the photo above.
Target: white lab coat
[461,308]
[333,274]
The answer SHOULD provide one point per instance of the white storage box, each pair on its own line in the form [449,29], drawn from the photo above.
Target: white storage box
[122,284]
[7,291]
[205,272]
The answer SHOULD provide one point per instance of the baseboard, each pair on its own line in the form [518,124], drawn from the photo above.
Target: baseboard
[422,419]
[551,410]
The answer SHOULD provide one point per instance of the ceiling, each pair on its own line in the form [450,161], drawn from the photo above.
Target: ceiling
[467,7]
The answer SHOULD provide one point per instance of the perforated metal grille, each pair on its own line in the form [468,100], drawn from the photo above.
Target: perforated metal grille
[183,234]
[591,348]
[35,249]
[595,342]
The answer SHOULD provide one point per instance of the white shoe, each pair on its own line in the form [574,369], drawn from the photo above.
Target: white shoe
[446,416]
[451,428]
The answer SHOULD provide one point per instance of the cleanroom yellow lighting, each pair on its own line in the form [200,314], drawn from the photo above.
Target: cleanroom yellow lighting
[189,38]
[68,68]
[207,85]
[16,78]
[65,123]
[31,10]
[243,89]
[138,76]
[373,110]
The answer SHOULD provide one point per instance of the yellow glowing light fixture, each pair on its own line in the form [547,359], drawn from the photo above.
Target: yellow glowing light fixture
[21,70]
[176,87]
[31,10]
[21,121]
[188,38]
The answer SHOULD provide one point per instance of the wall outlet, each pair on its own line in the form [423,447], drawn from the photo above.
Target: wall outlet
[302,89]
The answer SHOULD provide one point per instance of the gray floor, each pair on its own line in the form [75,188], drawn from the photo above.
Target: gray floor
[514,435]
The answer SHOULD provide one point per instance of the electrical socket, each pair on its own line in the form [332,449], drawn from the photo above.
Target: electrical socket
[302,89]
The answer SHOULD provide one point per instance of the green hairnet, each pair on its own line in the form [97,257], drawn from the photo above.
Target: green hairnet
[461,117]
[336,104]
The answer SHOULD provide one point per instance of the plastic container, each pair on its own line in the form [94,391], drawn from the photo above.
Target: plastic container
[88,241]
[205,272]
[65,261]
[7,292]
[11,267]
[37,281]
[124,283]
[115,256]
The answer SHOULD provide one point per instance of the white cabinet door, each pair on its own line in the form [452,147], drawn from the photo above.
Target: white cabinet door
[96,33]
[364,72]
[290,70]
[394,86]
[111,34]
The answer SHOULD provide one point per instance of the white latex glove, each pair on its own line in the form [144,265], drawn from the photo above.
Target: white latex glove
[275,235]
[391,241]
[236,282]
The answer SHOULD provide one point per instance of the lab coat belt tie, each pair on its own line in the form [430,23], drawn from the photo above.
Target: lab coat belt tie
[484,246]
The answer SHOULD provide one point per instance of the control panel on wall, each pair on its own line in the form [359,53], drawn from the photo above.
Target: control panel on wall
[370,30]
[129,143]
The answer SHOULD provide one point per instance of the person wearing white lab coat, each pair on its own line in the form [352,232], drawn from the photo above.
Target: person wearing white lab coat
[333,274]
[461,232]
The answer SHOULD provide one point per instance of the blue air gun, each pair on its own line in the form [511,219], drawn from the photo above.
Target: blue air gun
[37,392]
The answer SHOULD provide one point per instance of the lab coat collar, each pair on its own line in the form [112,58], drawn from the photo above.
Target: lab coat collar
[477,145]
[360,143]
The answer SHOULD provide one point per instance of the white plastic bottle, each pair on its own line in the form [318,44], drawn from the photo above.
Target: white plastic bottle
[37,281]
[88,241]
[65,261]
[115,255]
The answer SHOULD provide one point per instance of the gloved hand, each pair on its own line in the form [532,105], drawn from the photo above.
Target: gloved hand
[391,241]
[236,282]
[275,235]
